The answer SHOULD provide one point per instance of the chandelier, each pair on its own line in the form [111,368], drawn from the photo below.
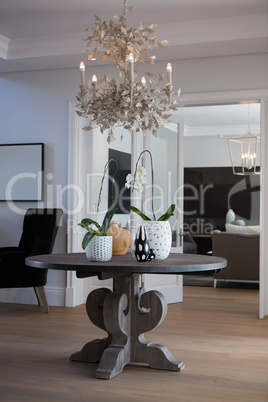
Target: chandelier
[243,152]
[132,103]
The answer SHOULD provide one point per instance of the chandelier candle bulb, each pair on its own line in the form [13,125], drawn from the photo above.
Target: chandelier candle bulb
[169,74]
[94,83]
[82,70]
[130,60]
[143,82]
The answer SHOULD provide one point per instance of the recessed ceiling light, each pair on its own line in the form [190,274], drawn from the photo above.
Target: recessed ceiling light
[93,59]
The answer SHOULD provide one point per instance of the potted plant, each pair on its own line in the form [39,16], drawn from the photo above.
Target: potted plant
[98,245]
[96,242]
[158,230]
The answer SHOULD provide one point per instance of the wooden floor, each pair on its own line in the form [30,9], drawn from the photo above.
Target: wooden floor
[216,332]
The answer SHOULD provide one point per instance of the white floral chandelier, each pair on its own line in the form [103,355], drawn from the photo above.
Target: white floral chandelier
[131,104]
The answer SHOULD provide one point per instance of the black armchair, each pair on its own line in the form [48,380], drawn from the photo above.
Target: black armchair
[39,232]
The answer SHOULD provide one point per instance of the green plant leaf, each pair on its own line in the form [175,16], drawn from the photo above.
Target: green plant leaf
[168,214]
[85,223]
[141,214]
[88,236]
[102,229]
[107,219]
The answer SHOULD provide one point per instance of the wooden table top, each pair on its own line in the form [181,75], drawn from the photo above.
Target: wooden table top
[175,264]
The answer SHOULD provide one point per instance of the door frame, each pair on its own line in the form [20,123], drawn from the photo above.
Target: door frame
[171,286]
[260,95]
[193,99]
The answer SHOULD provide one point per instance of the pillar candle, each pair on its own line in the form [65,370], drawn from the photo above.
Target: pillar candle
[169,74]
[131,67]
[82,69]
[143,82]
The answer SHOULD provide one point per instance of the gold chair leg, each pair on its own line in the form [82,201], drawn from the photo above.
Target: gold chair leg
[41,297]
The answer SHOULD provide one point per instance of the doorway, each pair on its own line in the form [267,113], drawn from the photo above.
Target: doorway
[211,188]
[72,288]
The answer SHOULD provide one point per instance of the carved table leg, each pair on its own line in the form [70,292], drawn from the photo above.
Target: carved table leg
[117,355]
[148,312]
[93,350]
[125,314]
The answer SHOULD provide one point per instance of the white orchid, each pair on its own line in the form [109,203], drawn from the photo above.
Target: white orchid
[141,173]
[136,181]
[129,180]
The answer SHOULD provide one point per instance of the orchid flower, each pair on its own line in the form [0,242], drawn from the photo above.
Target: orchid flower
[136,181]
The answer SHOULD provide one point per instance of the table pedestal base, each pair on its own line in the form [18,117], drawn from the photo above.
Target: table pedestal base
[126,314]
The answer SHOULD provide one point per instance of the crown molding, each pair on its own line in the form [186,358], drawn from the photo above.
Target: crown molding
[220,29]
[220,131]
[54,45]
[227,97]
[178,34]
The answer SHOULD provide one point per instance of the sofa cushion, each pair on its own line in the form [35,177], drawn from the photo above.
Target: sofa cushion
[242,229]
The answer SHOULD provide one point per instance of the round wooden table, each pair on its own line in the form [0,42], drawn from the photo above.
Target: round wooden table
[128,311]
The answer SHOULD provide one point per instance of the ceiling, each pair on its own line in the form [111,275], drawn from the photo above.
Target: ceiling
[44,34]
[221,120]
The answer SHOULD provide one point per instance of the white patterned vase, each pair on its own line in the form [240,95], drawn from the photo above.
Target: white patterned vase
[100,248]
[159,236]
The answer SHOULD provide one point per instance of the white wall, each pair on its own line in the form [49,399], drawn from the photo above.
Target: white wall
[34,108]
[206,151]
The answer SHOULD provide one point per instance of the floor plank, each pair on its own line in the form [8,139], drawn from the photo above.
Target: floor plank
[216,332]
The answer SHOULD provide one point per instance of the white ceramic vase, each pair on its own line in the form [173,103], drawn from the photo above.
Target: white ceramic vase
[100,248]
[159,236]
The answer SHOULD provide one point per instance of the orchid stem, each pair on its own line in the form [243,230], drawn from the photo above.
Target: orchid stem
[152,170]
[102,180]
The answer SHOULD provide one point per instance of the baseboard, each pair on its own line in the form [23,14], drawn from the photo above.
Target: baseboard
[74,298]
[55,296]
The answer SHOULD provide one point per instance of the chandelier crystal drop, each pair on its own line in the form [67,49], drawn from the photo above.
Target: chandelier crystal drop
[132,103]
